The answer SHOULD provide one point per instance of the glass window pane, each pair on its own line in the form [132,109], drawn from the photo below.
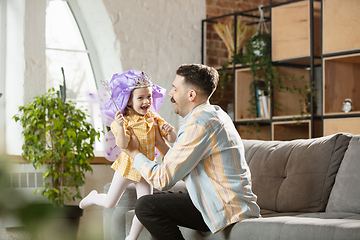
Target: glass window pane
[61,29]
[78,73]
[66,49]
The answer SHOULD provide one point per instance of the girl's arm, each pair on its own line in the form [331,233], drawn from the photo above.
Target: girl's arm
[121,138]
[160,144]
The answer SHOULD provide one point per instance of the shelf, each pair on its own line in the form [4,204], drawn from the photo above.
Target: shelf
[336,125]
[305,62]
[334,72]
[290,26]
[286,131]
[243,81]
[287,103]
[341,81]
[247,120]
[341,23]
[296,117]
[249,132]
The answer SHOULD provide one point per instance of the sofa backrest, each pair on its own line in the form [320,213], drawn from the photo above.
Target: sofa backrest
[345,195]
[295,176]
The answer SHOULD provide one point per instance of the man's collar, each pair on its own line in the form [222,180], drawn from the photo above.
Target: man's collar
[188,115]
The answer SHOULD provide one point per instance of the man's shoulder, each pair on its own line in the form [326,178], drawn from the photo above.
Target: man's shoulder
[208,109]
[205,114]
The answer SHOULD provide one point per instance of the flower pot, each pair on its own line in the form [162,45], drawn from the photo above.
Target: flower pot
[44,221]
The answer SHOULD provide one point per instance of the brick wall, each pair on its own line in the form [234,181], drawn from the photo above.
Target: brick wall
[216,52]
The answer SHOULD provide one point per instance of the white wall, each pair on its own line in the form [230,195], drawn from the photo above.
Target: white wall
[156,36]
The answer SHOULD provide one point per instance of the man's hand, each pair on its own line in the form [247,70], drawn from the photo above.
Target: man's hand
[133,147]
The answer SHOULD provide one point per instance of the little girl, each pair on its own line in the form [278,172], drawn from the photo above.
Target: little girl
[133,96]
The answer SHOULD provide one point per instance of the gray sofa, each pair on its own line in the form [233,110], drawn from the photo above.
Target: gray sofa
[307,189]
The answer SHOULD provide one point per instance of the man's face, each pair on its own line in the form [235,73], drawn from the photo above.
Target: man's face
[179,96]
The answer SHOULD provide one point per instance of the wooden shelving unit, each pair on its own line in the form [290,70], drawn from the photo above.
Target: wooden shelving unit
[262,132]
[291,26]
[290,130]
[316,42]
[243,81]
[341,66]
[291,103]
[341,23]
[341,80]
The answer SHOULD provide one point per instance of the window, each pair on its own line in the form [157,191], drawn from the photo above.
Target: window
[65,48]
[2,77]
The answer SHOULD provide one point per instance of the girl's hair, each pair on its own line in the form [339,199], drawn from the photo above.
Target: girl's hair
[126,109]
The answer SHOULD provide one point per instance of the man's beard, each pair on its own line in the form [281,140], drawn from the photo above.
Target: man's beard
[173,101]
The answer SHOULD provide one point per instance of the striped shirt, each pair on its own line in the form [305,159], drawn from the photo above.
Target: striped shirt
[209,155]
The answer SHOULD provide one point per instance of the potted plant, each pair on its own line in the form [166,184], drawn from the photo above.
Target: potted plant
[58,137]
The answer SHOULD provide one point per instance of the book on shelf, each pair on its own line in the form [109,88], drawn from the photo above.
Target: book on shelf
[262,104]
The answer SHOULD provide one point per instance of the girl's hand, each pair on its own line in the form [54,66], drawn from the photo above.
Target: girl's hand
[167,127]
[119,118]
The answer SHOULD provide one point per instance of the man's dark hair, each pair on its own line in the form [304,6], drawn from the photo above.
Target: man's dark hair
[202,77]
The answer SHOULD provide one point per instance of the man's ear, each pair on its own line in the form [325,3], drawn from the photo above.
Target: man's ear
[192,95]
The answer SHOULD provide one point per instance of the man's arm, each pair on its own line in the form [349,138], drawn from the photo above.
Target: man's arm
[133,147]
[192,146]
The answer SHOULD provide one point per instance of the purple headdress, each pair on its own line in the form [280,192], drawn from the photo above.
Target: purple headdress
[123,84]
[119,89]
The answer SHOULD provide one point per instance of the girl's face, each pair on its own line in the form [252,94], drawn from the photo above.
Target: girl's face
[141,100]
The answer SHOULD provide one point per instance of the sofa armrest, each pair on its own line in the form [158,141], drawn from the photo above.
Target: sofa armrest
[114,220]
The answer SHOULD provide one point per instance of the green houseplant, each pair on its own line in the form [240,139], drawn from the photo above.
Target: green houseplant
[57,135]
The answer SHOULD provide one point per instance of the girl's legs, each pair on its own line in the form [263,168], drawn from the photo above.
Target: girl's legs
[109,200]
[142,188]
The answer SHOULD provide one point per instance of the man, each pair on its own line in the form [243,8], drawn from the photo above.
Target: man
[208,155]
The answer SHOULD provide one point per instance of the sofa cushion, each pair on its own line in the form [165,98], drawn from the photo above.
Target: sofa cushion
[296,228]
[345,194]
[336,226]
[295,176]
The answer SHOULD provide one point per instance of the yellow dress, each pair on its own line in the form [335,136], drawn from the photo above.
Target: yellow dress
[145,132]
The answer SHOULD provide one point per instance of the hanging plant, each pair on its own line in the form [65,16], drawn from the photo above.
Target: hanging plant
[264,74]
